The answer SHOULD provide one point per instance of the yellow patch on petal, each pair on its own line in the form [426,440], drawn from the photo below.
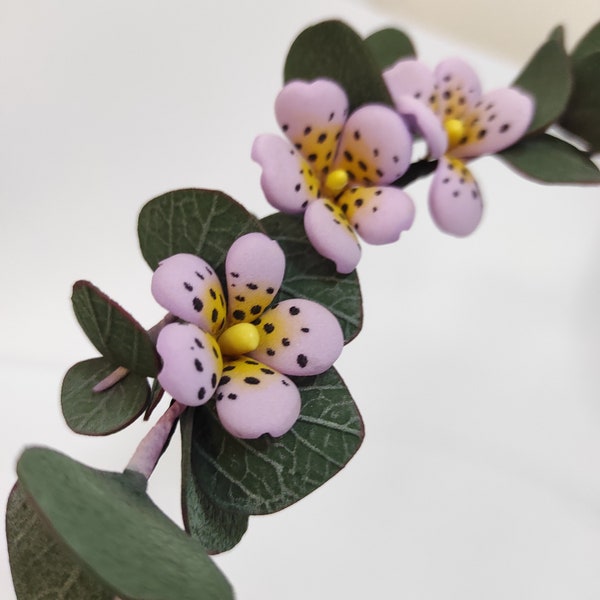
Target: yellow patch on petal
[317,145]
[459,167]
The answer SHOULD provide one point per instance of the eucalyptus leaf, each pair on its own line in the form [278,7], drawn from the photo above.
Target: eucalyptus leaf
[582,116]
[41,566]
[588,44]
[113,331]
[116,531]
[218,530]
[194,221]
[101,413]
[390,45]
[550,160]
[309,276]
[266,475]
[333,50]
[547,77]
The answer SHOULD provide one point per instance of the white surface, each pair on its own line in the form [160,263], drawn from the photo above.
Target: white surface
[476,371]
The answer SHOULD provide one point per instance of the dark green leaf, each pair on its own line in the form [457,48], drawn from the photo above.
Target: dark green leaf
[101,413]
[309,276]
[266,475]
[582,116]
[547,77]
[558,34]
[113,331]
[550,160]
[41,566]
[333,50]
[217,529]
[389,46]
[200,222]
[588,44]
[111,525]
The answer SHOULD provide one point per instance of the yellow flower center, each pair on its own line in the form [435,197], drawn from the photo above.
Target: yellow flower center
[336,181]
[455,129]
[239,339]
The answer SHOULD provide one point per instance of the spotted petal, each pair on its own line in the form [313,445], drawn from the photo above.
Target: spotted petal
[187,286]
[458,88]
[454,198]
[311,114]
[192,363]
[253,399]
[375,147]
[331,234]
[288,181]
[497,121]
[254,266]
[411,78]
[299,337]
[379,214]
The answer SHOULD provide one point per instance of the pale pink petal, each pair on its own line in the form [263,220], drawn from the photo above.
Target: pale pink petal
[253,399]
[254,268]
[457,88]
[331,234]
[299,337]
[375,147]
[409,77]
[187,286]
[454,199]
[497,121]
[311,114]
[192,363]
[288,181]
[379,214]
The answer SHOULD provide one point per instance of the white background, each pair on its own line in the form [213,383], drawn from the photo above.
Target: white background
[477,369]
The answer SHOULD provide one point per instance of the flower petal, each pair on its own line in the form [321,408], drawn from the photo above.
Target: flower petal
[454,198]
[254,267]
[331,235]
[287,180]
[299,337]
[458,88]
[192,363]
[497,121]
[409,77]
[188,287]
[311,114]
[379,214]
[253,399]
[375,147]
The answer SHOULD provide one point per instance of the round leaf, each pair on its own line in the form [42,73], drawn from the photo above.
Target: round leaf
[113,331]
[101,413]
[308,276]
[200,222]
[550,160]
[111,525]
[58,575]
[333,50]
[390,45]
[588,44]
[266,475]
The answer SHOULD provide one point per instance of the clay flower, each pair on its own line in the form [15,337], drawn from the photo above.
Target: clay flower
[458,123]
[241,350]
[335,169]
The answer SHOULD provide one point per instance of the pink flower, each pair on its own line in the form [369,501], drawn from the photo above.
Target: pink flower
[459,124]
[335,169]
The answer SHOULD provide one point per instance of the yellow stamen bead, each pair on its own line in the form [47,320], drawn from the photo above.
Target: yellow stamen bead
[455,130]
[239,339]
[337,180]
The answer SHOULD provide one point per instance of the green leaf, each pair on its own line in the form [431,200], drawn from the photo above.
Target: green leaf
[582,116]
[588,44]
[116,531]
[558,34]
[101,413]
[309,276]
[218,530]
[333,50]
[266,475]
[390,45]
[547,77]
[41,566]
[113,331]
[550,160]
[200,222]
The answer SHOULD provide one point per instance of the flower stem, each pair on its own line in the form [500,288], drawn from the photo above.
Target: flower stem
[418,169]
